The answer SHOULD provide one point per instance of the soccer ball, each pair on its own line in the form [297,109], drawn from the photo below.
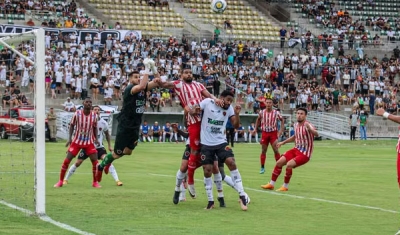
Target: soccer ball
[218,6]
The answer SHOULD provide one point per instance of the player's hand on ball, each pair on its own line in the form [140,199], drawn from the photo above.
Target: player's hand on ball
[380,112]
[237,109]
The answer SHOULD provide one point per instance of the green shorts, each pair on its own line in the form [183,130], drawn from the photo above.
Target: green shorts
[126,138]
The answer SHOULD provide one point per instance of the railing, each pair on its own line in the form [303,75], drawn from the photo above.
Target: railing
[330,125]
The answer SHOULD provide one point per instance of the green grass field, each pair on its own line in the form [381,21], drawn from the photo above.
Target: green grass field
[347,188]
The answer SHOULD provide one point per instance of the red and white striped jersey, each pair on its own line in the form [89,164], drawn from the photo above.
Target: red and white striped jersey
[269,120]
[84,125]
[304,139]
[398,142]
[189,94]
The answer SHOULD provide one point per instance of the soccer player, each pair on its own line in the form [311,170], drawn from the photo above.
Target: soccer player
[214,144]
[252,132]
[167,132]
[304,133]
[130,117]
[82,136]
[268,120]
[102,130]
[191,93]
[144,129]
[156,132]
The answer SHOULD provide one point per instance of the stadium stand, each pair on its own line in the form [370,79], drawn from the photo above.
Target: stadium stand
[239,20]
[146,16]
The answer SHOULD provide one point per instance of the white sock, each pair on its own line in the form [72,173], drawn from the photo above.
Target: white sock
[218,184]
[272,183]
[228,180]
[286,185]
[208,185]
[149,139]
[179,178]
[249,137]
[182,194]
[237,178]
[245,137]
[176,136]
[256,137]
[113,172]
[70,172]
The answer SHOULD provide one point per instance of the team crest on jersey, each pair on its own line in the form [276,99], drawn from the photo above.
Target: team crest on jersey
[203,157]
[227,148]
[224,113]
[141,93]
[100,129]
[187,154]
[119,152]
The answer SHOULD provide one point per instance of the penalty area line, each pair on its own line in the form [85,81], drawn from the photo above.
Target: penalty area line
[47,219]
[306,198]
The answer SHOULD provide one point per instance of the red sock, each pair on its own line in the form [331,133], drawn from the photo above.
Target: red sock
[64,168]
[275,174]
[277,156]
[94,164]
[263,156]
[191,168]
[288,175]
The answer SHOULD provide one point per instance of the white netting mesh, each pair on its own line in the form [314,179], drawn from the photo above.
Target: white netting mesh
[17,151]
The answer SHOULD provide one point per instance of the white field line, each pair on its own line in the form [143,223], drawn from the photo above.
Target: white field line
[47,219]
[306,198]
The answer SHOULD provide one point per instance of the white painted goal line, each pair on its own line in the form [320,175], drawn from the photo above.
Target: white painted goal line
[303,197]
[47,219]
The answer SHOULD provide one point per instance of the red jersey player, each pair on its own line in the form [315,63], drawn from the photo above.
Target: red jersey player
[268,120]
[304,133]
[190,93]
[396,119]
[82,136]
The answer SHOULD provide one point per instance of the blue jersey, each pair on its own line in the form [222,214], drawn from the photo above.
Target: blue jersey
[167,129]
[155,128]
[240,128]
[145,129]
[229,125]
[251,128]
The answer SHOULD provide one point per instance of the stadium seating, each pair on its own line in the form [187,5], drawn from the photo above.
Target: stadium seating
[140,16]
[247,23]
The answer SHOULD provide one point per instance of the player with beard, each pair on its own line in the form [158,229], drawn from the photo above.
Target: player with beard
[214,146]
[304,133]
[82,136]
[268,120]
[190,93]
[130,117]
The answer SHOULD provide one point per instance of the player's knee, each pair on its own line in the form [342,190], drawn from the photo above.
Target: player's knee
[127,151]
[281,162]
[208,168]
[230,162]
[291,164]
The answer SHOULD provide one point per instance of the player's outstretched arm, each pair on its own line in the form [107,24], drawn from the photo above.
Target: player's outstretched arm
[167,85]
[391,117]
[291,139]
[142,85]
[207,94]
[311,129]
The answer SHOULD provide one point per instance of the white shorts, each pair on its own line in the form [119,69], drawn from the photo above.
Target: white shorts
[292,105]
[78,89]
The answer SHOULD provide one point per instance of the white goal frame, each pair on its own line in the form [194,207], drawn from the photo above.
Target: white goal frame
[40,113]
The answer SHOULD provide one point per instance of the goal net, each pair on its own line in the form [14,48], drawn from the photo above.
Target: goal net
[22,122]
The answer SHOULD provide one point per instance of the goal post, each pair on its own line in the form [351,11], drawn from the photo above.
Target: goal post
[38,183]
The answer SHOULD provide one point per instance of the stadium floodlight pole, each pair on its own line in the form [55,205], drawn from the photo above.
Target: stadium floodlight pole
[10,47]
[40,125]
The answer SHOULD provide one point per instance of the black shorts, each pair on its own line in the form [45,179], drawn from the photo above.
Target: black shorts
[100,152]
[31,81]
[18,72]
[126,138]
[58,84]
[219,153]
[156,134]
[335,101]
[67,85]
[186,153]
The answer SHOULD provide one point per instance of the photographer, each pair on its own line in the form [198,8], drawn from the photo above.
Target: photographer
[155,101]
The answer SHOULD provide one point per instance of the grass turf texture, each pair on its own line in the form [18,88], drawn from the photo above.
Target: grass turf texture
[362,173]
